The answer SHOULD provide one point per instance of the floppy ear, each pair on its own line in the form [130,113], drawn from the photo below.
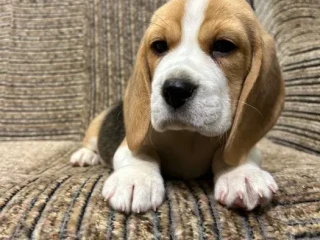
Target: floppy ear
[136,103]
[260,103]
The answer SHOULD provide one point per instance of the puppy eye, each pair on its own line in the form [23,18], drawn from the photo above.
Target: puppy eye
[159,47]
[223,47]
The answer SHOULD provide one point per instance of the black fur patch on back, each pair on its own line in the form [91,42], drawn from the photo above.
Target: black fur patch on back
[112,132]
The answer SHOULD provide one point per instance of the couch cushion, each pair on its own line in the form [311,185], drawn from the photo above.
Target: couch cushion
[66,202]
[34,158]
[62,62]
[295,26]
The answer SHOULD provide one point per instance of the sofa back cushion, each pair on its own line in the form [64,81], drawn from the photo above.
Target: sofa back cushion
[62,62]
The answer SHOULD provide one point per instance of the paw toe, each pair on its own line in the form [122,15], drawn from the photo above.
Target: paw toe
[84,157]
[129,190]
[158,194]
[245,188]
[121,199]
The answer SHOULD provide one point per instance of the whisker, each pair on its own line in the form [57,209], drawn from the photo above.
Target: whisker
[223,138]
[120,112]
[150,136]
[225,135]
[247,104]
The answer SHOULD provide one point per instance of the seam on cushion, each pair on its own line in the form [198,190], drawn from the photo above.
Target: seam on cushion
[171,223]
[24,215]
[215,229]
[67,214]
[197,210]
[32,231]
[213,210]
[110,225]
[156,231]
[246,226]
[261,226]
[84,207]
[33,202]
[15,193]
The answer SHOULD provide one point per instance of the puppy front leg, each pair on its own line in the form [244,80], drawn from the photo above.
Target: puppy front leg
[88,154]
[136,184]
[245,186]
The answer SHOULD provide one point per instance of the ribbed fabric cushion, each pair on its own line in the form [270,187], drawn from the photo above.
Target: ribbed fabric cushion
[43,72]
[55,201]
[295,24]
[62,62]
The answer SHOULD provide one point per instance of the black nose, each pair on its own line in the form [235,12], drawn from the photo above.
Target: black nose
[176,92]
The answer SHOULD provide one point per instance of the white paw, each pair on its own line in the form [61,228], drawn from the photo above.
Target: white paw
[84,157]
[246,186]
[134,189]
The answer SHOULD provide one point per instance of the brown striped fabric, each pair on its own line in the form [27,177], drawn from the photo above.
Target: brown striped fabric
[43,76]
[295,25]
[62,62]
[52,200]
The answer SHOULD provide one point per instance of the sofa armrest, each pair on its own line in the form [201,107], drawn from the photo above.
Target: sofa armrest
[295,27]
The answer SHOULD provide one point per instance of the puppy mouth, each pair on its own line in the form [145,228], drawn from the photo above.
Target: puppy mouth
[183,120]
[175,123]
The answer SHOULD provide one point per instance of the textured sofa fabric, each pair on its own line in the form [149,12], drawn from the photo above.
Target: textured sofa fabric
[52,200]
[62,62]
[295,26]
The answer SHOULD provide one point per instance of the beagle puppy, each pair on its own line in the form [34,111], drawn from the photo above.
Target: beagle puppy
[205,88]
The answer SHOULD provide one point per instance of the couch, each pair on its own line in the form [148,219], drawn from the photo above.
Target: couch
[62,62]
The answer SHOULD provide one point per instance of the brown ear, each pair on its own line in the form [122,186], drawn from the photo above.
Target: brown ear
[260,103]
[136,104]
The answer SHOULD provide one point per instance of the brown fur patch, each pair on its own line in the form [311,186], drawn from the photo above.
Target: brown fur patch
[94,128]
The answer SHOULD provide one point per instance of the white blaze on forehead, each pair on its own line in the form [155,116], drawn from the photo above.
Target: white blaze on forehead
[208,111]
[192,21]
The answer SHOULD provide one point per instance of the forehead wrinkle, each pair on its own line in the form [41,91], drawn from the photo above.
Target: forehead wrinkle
[231,29]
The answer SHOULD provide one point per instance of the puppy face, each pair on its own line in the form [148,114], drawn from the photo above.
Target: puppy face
[198,60]
[205,66]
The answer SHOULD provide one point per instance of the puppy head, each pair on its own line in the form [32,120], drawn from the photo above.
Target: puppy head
[205,66]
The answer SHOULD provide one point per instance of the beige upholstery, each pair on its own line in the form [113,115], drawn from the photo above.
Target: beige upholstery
[62,62]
